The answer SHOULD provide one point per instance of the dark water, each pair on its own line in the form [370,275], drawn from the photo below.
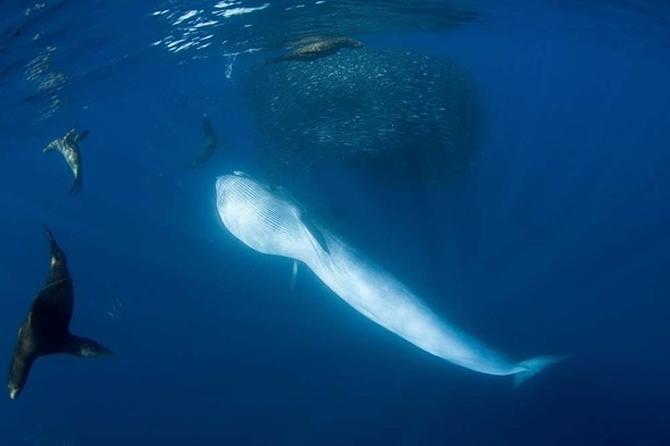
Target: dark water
[554,240]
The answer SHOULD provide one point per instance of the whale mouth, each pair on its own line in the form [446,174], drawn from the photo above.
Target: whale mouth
[262,217]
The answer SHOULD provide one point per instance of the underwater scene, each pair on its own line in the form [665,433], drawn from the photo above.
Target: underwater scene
[335,222]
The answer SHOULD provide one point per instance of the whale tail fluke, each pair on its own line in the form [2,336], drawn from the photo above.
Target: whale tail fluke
[533,366]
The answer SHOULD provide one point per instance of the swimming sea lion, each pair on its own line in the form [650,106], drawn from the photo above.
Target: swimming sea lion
[316,50]
[211,143]
[46,330]
[68,146]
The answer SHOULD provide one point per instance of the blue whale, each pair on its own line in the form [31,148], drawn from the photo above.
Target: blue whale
[267,219]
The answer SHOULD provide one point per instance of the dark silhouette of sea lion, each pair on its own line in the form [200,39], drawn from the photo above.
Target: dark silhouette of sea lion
[211,143]
[68,146]
[46,330]
[316,50]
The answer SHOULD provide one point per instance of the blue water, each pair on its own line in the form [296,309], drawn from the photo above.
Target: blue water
[554,242]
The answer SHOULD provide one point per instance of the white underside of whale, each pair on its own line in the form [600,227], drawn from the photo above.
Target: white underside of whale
[267,220]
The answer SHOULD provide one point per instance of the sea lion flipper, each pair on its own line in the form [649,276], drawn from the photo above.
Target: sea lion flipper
[207,127]
[83,134]
[49,147]
[86,347]
[71,134]
[76,186]
[19,369]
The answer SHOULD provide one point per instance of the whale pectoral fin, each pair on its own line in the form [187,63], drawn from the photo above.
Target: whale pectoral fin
[294,274]
[534,366]
[86,347]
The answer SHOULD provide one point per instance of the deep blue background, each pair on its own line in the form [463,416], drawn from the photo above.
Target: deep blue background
[555,243]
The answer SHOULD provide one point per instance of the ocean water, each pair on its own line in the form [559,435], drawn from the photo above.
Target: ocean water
[551,237]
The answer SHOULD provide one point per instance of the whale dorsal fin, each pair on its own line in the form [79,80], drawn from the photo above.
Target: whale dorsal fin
[314,230]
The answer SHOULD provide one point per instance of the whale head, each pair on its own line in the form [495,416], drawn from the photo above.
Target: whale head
[264,217]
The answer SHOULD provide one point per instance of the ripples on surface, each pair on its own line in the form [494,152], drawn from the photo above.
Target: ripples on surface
[238,26]
[50,50]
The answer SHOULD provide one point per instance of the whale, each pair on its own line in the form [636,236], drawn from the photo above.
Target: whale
[270,221]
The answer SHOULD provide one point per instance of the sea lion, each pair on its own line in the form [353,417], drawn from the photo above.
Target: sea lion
[211,143]
[68,146]
[317,50]
[46,330]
